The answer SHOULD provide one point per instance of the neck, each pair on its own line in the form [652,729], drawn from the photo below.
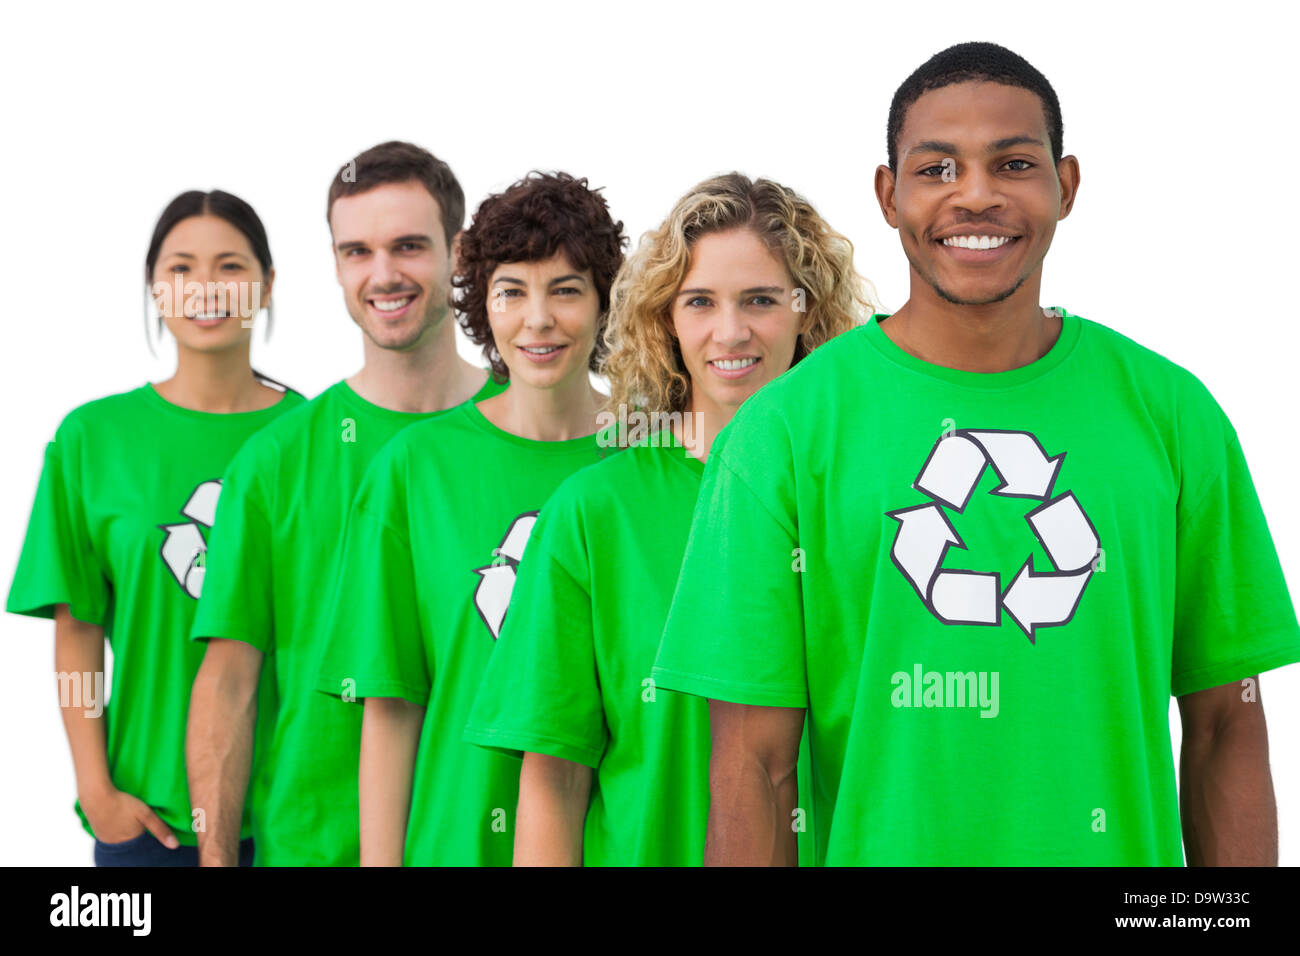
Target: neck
[220,382]
[545,414]
[707,418]
[428,378]
[996,337]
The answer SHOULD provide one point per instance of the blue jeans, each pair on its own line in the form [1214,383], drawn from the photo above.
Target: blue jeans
[145,850]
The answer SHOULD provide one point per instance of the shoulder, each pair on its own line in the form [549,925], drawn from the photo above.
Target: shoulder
[805,387]
[427,438]
[602,483]
[104,411]
[1170,389]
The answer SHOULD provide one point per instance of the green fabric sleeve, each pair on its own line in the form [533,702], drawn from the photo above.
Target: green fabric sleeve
[738,583]
[1234,617]
[238,586]
[58,563]
[373,646]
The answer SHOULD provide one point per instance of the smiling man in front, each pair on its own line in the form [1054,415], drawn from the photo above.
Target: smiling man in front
[976,492]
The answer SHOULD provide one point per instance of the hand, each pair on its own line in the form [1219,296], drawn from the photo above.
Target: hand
[116,816]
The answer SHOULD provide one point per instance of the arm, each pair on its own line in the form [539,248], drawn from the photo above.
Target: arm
[553,796]
[114,816]
[390,737]
[219,744]
[752,785]
[1228,811]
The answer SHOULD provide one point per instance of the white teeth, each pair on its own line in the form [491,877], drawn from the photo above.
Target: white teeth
[977,242]
[202,316]
[394,305]
[730,365]
[540,349]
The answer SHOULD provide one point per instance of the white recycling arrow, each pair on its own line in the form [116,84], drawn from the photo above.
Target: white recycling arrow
[952,472]
[183,546]
[1066,533]
[181,549]
[202,506]
[1020,462]
[924,536]
[1045,599]
[492,596]
[497,580]
[965,597]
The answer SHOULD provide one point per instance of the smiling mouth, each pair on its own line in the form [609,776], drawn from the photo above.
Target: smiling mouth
[391,305]
[540,349]
[207,316]
[734,365]
[978,242]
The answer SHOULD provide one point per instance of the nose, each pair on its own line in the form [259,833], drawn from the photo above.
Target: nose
[731,328]
[386,276]
[976,190]
[537,313]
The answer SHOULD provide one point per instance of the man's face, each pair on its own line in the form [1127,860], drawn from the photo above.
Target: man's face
[391,257]
[976,196]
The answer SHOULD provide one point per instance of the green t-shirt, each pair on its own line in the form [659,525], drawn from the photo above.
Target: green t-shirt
[985,588]
[436,533]
[570,676]
[119,533]
[283,514]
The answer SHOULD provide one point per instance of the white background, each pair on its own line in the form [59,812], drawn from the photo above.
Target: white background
[1183,236]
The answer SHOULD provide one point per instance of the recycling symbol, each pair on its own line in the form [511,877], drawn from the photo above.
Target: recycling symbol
[184,548]
[497,580]
[949,477]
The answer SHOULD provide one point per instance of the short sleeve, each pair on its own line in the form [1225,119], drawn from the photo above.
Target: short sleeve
[1234,617]
[373,644]
[58,564]
[735,631]
[541,692]
[237,599]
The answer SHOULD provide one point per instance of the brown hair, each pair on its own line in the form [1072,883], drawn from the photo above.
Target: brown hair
[532,220]
[398,162]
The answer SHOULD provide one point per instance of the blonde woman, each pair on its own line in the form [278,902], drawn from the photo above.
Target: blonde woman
[741,281]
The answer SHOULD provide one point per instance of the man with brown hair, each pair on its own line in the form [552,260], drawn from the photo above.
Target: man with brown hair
[394,213]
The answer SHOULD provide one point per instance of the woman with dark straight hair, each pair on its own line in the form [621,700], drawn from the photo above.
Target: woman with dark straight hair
[116,544]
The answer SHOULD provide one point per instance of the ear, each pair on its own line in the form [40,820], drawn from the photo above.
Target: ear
[338,270]
[885,183]
[454,251]
[1067,172]
[265,300]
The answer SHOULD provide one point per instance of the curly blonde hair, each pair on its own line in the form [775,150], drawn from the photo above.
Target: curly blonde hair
[644,362]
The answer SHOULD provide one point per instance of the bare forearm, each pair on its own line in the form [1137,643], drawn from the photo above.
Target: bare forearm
[219,755]
[749,816]
[553,798]
[1228,809]
[79,673]
[390,739]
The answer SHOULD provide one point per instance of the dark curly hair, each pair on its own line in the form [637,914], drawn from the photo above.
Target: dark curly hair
[530,221]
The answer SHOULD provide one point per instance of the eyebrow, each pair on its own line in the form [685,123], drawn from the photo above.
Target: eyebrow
[940,146]
[220,255]
[750,291]
[569,278]
[358,244]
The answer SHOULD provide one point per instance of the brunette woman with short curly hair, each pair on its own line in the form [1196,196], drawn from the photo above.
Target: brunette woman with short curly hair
[536,218]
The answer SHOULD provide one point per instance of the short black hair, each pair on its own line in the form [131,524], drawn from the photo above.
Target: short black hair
[967,62]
